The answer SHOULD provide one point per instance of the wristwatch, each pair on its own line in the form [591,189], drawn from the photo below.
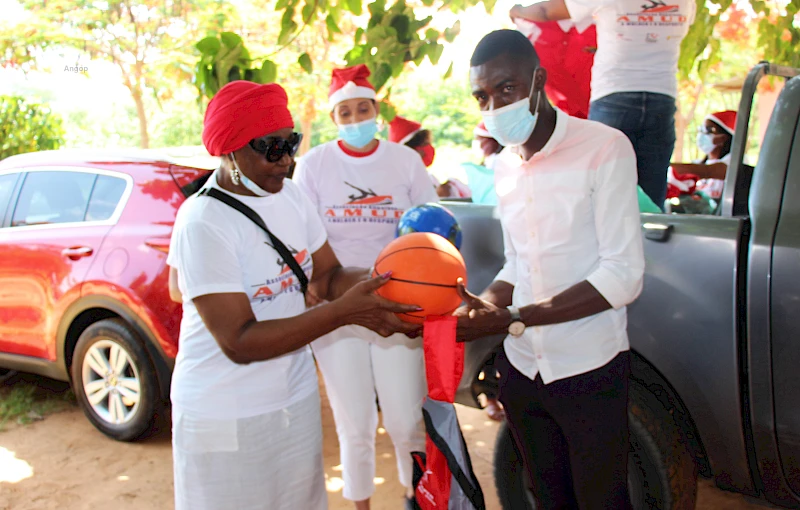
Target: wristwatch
[517,327]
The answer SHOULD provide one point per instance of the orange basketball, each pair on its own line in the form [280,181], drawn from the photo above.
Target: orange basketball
[424,269]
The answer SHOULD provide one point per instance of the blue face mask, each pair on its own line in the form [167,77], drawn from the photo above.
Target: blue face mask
[513,124]
[705,143]
[359,134]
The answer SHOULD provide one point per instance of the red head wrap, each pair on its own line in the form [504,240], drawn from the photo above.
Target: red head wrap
[241,111]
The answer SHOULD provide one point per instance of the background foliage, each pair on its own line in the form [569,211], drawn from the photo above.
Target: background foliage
[27,127]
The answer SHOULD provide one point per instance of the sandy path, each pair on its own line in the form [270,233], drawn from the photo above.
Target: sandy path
[64,463]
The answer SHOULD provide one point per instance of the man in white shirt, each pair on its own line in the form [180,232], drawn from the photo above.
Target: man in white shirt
[634,76]
[568,206]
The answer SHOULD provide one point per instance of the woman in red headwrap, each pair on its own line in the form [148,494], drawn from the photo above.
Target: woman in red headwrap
[360,187]
[245,402]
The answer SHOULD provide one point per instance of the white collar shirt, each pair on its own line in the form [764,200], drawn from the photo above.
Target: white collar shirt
[570,213]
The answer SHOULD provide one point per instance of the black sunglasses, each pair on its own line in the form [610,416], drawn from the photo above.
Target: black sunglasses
[274,147]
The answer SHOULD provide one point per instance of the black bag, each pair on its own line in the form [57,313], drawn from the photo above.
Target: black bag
[281,248]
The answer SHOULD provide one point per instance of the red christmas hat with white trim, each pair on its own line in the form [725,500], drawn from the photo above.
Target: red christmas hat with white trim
[726,120]
[402,130]
[350,83]
[481,131]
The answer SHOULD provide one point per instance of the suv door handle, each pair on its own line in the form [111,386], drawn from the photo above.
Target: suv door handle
[77,252]
[658,232]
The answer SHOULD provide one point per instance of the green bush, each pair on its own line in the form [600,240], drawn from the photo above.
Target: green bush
[27,127]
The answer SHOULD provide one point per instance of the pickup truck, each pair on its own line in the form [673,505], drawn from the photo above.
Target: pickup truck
[715,334]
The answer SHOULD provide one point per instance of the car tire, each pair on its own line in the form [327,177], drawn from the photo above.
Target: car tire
[6,374]
[114,380]
[662,473]
[509,473]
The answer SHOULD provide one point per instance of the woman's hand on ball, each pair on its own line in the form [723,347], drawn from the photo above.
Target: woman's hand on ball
[478,318]
[362,306]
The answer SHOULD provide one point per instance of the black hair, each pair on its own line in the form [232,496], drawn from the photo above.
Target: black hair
[504,42]
[420,139]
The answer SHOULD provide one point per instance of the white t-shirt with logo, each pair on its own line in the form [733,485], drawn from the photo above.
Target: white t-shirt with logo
[638,43]
[216,249]
[361,199]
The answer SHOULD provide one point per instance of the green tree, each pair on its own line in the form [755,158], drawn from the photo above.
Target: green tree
[27,127]
[150,41]
[778,34]
[443,106]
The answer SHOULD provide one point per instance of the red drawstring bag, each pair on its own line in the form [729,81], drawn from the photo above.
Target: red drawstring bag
[443,475]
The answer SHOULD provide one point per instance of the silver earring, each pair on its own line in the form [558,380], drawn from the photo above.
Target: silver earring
[235,176]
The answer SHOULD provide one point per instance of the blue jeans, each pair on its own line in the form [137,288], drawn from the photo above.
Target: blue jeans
[648,120]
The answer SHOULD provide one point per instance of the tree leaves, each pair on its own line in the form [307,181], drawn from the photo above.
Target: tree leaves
[269,72]
[305,62]
[27,127]
[208,46]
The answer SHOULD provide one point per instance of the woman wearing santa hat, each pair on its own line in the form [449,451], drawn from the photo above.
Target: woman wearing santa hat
[245,404]
[409,133]
[360,187]
[714,139]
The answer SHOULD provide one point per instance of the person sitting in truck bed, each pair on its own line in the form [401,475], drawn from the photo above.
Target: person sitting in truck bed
[714,139]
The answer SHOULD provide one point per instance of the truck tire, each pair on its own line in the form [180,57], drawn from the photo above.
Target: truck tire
[509,474]
[114,380]
[662,474]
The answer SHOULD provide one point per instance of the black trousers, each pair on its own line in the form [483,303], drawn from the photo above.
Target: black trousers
[572,434]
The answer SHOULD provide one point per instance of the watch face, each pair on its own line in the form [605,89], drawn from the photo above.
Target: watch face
[516,328]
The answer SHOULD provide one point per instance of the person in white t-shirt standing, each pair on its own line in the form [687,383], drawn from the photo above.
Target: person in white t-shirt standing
[634,76]
[247,433]
[360,187]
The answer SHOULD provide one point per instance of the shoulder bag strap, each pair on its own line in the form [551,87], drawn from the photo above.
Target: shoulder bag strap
[281,248]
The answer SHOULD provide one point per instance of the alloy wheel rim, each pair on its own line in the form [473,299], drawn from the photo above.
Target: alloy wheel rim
[111,382]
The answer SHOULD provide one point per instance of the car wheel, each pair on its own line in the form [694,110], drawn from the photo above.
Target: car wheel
[6,374]
[114,381]
[662,473]
[509,473]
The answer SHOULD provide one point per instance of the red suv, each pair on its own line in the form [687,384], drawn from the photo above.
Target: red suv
[84,292]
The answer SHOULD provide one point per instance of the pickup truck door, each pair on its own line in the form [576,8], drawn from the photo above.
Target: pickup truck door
[785,320]
[685,324]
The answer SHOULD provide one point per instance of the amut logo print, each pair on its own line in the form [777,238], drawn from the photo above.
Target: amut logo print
[654,13]
[364,206]
[286,281]
[368,197]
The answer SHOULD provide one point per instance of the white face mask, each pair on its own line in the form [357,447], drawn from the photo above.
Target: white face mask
[513,124]
[247,183]
[705,142]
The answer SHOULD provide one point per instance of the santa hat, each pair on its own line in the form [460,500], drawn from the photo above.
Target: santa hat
[350,83]
[726,120]
[481,131]
[402,130]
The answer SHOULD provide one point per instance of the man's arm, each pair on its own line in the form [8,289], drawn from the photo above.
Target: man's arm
[549,10]
[713,171]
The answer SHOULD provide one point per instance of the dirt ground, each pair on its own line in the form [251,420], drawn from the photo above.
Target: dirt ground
[62,462]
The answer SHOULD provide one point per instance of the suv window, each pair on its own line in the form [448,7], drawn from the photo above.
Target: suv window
[105,197]
[7,183]
[53,197]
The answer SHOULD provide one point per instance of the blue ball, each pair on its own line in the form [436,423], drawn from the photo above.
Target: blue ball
[430,218]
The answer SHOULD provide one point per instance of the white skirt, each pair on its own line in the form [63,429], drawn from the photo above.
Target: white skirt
[267,462]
